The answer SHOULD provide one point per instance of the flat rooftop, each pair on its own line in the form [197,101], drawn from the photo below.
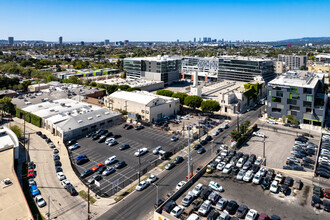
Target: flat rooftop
[13,204]
[157,58]
[223,87]
[297,78]
[233,57]
[130,82]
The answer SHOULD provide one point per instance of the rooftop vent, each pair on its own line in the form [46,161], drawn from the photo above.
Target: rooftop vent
[107,113]
[98,116]
[80,121]
[90,118]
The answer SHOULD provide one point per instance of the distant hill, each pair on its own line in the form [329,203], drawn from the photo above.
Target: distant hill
[307,40]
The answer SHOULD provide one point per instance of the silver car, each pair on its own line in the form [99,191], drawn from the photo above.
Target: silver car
[221,204]
[240,174]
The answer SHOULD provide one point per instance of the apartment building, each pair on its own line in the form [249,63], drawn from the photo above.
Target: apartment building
[300,94]
[293,62]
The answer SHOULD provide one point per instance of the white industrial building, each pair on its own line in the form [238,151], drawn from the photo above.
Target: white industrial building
[143,105]
[70,119]
[146,85]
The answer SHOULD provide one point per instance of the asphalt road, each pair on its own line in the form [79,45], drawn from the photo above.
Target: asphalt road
[139,205]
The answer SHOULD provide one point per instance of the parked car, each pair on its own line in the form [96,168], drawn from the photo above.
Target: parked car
[231,207]
[178,160]
[177,211]
[61,176]
[242,211]
[188,199]
[205,208]
[75,146]
[214,197]
[120,164]
[142,185]
[124,147]
[111,160]
[252,215]
[221,204]
[169,206]
[316,201]
[108,171]
[248,176]
[86,173]
[198,189]
[266,183]
[241,175]
[274,186]
[40,201]
[201,150]
[141,152]
[157,149]
[215,186]
[174,138]
[34,190]
[180,184]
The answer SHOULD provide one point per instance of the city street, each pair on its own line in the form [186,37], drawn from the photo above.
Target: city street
[139,205]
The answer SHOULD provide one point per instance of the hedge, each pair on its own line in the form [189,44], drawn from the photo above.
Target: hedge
[29,117]
[242,139]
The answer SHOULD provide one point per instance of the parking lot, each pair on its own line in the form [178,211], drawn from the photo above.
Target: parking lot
[98,152]
[295,205]
[278,147]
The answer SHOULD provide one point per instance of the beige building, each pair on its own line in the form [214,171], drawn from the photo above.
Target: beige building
[280,67]
[143,105]
[321,68]
[38,87]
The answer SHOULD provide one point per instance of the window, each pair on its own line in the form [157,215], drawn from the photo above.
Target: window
[291,101]
[307,91]
[275,99]
[307,104]
[109,121]
[294,113]
[308,110]
[279,93]
[309,98]
[276,110]
[270,93]
[102,124]
[292,107]
[294,96]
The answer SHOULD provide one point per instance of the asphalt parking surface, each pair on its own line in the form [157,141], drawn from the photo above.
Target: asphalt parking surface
[295,205]
[99,152]
[278,147]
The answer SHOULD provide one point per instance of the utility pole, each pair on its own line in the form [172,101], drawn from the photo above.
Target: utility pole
[24,130]
[263,151]
[157,192]
[139,168]
[28,145]
[188,152]
[237,122]
[48,208]
[88,204]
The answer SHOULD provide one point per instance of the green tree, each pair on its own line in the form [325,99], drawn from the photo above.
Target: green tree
[193,101]
[17,130]
[111,89]
[133,89]
[210,106]
[73,79]
[100,86]
[235,135]
[244,126]
[93,84]
[7,106]
[181,96]
[124,87]
[123,75]
[165,92]
[51,78]
[283,118]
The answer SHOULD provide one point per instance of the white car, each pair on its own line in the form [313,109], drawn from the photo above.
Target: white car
[252,215]
[240,163]
[263,171]
[271,121]
[109,140]
[279,178]
[157,149]
[75,146]
[274,186]
[198,189]
[216,186]
[142,185]
[194,217]
[180,184]
[218,159]
[221,165]
[241,174]
[259,134]
[205,208]
[224,153]
[141,151]
[65,183]
[215,133]
[227,168]
[152,178]
[177,211]
[258,161]
[108,171]
[61,176]
[223,146]
[111,160]
[40,201]
[248,176]
[257,178]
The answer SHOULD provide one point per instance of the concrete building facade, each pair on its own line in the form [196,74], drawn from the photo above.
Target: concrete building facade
[142,105]
[293,62]
[300,94]
[161,68]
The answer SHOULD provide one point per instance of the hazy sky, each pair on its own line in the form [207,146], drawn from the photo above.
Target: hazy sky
[169,20]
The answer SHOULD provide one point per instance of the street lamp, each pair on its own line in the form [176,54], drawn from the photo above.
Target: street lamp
[157,192]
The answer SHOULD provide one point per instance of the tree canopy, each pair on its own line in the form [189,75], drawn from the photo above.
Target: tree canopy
[181,96]
[210,106]
[193,101]
[165,92]
[6,105]
[17,130]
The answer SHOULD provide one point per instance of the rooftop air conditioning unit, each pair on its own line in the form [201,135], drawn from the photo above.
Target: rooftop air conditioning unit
[80,121]
[98,116]
[90,118]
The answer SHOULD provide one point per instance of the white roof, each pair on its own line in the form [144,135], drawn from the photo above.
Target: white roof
[297,78]
[7,138]
[141,97]
[157,58]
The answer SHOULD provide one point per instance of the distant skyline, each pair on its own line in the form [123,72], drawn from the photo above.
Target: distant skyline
[153,20]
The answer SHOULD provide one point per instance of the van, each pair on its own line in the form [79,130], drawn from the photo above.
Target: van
[271,121]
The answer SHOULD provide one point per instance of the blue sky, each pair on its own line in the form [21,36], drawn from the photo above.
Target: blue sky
[169,20]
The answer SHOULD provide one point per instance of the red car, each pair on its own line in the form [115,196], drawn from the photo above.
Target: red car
[30,173]
[191,175]
[97,167]
[129,127]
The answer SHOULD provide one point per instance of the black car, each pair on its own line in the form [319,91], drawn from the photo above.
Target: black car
[115,136]
[302,139]
[201,150]
[31,165]
[299,168]
[284,189]
[288,181]
[307,135]
[71,190]
[266,183]
[235,170]
[205,193]
[56,157]
[208,138]
[290,163]
[270,174]
[101,169]
[326,205]
[158,203]
[299,155]
[252,158]
[48,140]
[296,126]
[275,217]
[57,163]
[231,207]
[166,155]
[287,168]
[82,160]
[58,169]
[86,173]
[242,211]
[245,157]
[96,136]
[323,173]
[232,153]
[308,160]
[213,215]
[101,139]
[89,135]
[316,201]
[39,133]
[203,142]
[169,206]
[124,147]
[197,146]
[255,168]
[220,129]
[43,136]
[120,164]
[196,204]
[178,160]
[317,191]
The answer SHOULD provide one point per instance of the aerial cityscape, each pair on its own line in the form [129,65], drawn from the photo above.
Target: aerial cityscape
[163,110]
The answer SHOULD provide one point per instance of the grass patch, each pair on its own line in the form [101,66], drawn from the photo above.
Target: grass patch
[33,207]
[84,195]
